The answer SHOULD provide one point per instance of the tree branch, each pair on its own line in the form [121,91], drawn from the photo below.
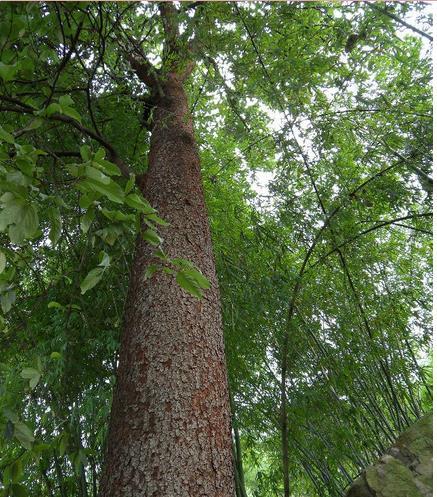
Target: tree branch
[399,20]
[373,228]
[113,156]
[180,65]
[66,57]
[146,72]
[232,101]
[171,29]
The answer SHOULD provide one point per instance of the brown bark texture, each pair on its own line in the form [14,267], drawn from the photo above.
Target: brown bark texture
[170,430]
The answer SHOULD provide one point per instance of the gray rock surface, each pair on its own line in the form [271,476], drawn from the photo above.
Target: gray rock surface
[405,470]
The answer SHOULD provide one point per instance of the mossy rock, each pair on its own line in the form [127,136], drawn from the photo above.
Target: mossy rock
[406,469]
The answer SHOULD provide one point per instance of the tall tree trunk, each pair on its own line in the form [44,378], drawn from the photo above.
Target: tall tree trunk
[170,429]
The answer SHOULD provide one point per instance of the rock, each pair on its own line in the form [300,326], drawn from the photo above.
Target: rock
[405,470]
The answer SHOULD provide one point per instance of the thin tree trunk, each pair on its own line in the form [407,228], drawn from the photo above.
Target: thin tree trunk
[170,429]
[59,476]
[83,490]
[93,474]
[284,422]
[237,481]
[239,461]
[82,483]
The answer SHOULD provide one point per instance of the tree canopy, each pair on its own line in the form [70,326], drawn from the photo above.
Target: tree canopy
[313,122]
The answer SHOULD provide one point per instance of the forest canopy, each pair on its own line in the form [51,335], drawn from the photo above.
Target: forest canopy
[313,124]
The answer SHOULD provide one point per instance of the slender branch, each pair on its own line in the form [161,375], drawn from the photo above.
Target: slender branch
[369,230]
[425,180]
[65,59]
[228,91]
[65,153]
[414,228]
[113,156]
[16,101]
[144,69]
[397,19]
[386,110]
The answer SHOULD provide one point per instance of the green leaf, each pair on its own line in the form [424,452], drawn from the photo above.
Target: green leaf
[70,112]
[16,234]
[139,203]
[97,175]
[18,178]
[91,279]
[55,355]
[27,166]
[25,217]
[157,220]
[6,301]
[188,284]
[109,234]
[30,220]
[190,278]
[85,152]
[34,382]
[100,154]
[118,216]
[107,166]
[5,136]
[161,255]
[31,374]
[2,262]
[152,237]
[13,473]
[35,124]
[86,220]
[87,199]
[105,260]
[53,109]
[26,67]
[151,269]
[16,471]
[23,434]
[12,210]
[54,305]
[7,72]
[197,277]
[112,191]
[66,100]
[75,169]
[130,183]
[28,373]
[10,415]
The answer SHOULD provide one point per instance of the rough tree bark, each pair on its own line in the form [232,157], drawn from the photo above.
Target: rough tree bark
[170,429]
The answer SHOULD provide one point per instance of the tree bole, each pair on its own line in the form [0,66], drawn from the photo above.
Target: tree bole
[170,430]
